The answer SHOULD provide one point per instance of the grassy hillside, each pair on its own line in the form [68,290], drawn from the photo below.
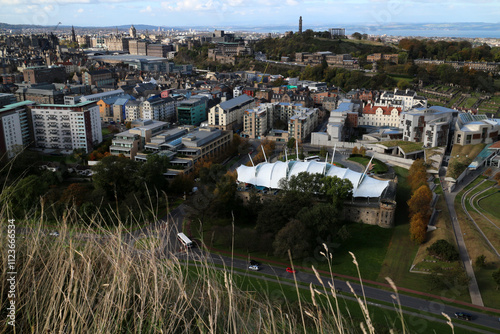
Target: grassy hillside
[307,42]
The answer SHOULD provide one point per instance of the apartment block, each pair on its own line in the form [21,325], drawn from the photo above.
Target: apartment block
[192,111]
[15,128]
[160,109]
[67,127]
[228,115]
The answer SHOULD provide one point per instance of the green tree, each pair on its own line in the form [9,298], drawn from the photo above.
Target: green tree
[496,277]
[26,193]
[115,176]
[337,189]
[291,143]
[293,236]
[481,261]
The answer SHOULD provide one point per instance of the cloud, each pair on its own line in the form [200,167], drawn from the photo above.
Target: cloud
[146,10]
[80,10]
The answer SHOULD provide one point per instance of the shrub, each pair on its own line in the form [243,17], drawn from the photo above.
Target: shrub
[443,250]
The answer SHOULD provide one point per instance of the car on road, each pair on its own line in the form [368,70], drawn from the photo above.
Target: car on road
[254,263]
[254,267]
[290,270]
[463,316]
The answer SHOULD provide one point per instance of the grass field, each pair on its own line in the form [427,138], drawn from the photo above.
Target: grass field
[406,146]
[490,204]
[401,251]
[476,246]
[378,166]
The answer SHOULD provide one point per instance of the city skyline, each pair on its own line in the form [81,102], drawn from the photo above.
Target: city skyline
[216,13]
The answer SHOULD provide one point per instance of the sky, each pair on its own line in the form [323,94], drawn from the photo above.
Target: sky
[220,13]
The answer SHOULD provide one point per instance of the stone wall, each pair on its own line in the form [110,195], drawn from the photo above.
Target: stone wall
[381,214]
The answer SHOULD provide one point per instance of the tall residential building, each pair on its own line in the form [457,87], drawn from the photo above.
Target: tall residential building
[67,127]
[159,109]
[15,131]
[6,99]
[300,121]
[192,111]
[132,110]
[228,115]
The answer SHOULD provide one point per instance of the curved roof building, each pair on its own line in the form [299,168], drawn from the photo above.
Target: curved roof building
[269,174]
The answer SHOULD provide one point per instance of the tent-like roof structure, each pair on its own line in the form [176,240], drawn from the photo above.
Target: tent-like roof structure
[269,175]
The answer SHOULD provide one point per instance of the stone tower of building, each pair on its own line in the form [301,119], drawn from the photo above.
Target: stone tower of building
[73,35]
[300,25]
[132,31]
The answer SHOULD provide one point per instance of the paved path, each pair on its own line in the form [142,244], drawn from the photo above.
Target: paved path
[475,293]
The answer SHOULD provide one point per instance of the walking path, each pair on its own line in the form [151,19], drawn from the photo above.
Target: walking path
[475,293]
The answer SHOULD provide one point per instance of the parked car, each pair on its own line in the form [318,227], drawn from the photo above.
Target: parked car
[290,270]
[463,316]
[253,267]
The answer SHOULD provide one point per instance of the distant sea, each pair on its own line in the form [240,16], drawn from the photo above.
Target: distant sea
[437,33]
[406,31]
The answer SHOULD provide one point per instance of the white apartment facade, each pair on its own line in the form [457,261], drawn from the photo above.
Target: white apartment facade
[159,109]
[132,110]
[67,127]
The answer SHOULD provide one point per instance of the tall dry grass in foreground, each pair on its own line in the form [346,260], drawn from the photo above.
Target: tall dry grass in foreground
[90,282]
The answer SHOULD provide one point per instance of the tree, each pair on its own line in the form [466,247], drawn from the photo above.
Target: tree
[150,174]
[418,228]
[362,151]
[443,250]
[75,193]
[420,201]
[403,84]
[293,236]
[26,193]
[481,261]
[115,175]
[355,150]
[496,277]
[337,189]
[357,36]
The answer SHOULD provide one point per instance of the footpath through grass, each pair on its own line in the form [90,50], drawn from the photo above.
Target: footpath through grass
[402,251]
[476,246]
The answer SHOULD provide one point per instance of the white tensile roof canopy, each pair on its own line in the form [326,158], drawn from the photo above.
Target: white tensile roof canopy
[269,175]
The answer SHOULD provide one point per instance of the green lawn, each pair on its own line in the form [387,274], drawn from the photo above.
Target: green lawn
[402,251]
[378,166]
[490,203]
[406,146]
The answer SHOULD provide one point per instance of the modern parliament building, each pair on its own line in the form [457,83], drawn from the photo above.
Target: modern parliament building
[373,200]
